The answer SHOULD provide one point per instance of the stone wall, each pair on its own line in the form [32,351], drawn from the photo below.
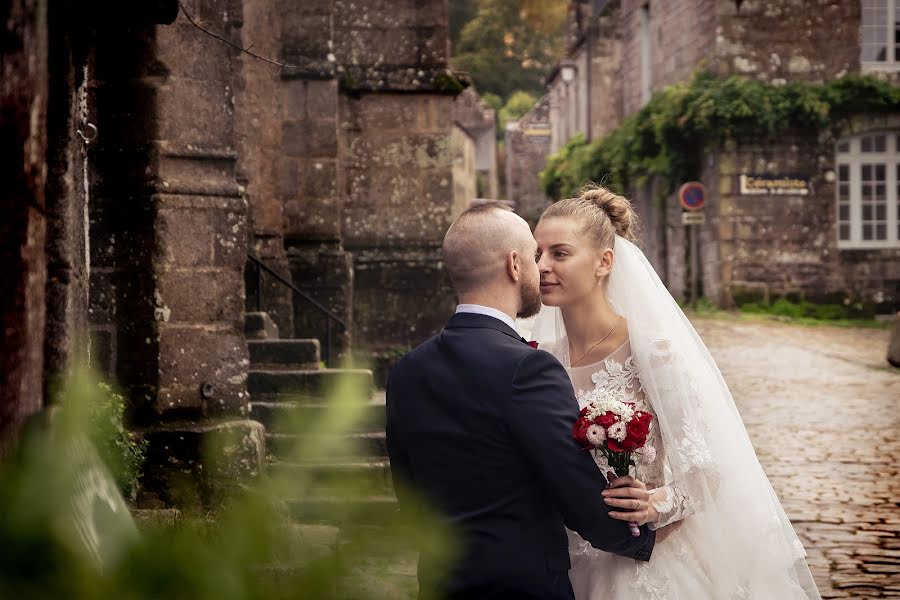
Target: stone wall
[261,167]
[527,149]
[787,41]
[66,339]
[682,35]
[401,197]
[464,173]
[480,122]
[23,97]
[168,239]
[168,222]
[370,181]
[780,244]
[787,245]
[604,46]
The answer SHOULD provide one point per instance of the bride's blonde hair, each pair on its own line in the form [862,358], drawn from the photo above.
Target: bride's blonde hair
[603,213]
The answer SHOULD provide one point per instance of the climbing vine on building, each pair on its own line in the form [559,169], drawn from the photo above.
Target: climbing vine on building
[665,138]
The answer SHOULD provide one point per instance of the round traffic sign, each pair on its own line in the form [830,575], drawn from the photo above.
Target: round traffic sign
[692,195]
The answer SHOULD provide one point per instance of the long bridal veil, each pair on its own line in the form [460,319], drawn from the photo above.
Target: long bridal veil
[733,527]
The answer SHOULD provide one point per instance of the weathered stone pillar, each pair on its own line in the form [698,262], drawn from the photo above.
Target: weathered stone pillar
[261,166]
[312,172]
[67,195]
[527,149]
[23,171]
[171,236]
[402,189]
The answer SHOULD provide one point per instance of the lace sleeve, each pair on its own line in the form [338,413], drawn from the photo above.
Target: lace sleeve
[690,474]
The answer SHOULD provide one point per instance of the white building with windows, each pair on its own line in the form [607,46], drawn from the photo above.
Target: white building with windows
[810,215]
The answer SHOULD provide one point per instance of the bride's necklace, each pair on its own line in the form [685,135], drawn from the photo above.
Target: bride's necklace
[595,344]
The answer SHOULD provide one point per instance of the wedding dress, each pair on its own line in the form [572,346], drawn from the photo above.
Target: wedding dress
[722,533]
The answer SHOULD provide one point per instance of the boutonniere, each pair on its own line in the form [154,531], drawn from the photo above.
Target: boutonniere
[533,344]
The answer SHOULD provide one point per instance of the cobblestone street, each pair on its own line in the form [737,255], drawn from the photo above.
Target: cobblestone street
[821,406]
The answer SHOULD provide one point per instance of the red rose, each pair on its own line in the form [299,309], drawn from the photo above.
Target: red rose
[579,431]
[638,428]
[606,420]
[617,446]
[533,344]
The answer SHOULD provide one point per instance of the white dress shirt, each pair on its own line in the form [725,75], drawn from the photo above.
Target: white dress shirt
[489,312]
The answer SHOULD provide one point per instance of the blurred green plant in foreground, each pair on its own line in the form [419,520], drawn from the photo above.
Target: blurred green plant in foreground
[121,451]
[67,532]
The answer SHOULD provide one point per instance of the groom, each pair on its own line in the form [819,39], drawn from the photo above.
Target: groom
[480,425]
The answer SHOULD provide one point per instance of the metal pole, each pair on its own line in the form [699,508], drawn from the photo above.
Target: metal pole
[695,265]
[328,343]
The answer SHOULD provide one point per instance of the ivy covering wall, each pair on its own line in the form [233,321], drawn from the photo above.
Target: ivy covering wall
[665,138]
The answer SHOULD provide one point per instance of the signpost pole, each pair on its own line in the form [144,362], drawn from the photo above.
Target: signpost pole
[695,263]
[693,196]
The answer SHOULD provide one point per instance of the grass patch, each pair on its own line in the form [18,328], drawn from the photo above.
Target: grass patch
[805,313]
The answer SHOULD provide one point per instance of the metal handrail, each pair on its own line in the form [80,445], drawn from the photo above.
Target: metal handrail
[261,266]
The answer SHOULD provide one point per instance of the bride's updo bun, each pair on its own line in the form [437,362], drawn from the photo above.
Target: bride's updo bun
[603,213]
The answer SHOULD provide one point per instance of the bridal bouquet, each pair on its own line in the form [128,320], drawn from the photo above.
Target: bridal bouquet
[610,425]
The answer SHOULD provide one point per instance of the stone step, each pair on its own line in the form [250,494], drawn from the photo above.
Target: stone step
[365,444]
[287,416]
[284,354]
[371,510]
[273,384]
[372,478]
[259,326]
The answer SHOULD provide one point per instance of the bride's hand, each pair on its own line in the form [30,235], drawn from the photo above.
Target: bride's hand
[632,496]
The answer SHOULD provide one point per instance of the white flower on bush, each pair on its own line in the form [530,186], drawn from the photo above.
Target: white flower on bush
[618,431]
[596,435]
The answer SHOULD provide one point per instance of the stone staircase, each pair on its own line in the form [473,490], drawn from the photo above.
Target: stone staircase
[289,384]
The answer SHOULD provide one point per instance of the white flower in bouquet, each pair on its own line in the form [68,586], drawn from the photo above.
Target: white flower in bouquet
[618,431]
[596,435]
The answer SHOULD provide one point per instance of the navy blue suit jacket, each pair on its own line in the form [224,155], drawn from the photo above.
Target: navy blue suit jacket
[480,425]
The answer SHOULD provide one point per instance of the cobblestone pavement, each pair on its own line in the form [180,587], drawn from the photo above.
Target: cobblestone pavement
[822,407]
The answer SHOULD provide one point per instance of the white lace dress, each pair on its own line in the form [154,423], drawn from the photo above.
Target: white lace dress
[673,572]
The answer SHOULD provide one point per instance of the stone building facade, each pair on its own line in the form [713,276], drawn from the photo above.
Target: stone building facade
[528,143]
[479,121]
[363,165]
[835,238]
[152,157]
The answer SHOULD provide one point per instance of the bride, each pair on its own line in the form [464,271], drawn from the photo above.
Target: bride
[721,531]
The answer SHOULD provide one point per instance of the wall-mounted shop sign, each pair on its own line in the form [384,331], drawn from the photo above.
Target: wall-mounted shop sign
[777,185]
[538,131]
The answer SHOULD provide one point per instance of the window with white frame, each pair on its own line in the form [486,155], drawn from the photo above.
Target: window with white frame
[868,190]
[880,34]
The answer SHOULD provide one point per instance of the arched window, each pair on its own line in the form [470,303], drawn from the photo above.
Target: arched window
[868,198]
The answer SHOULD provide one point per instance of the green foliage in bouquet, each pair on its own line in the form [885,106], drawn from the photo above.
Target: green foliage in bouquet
[666,137]
[122,451]
[67,533]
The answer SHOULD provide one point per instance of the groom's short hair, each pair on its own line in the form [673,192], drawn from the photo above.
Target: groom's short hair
[474,245]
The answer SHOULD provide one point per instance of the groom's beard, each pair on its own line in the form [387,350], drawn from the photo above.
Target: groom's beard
[531,301]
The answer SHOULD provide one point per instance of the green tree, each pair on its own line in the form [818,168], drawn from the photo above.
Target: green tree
[510,45]
[518,104]
[461,12]
[493,100]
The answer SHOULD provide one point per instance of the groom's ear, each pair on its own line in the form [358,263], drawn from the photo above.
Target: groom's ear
[513,266]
